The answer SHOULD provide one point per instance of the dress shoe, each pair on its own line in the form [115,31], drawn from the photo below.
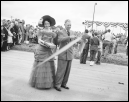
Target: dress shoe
[19,44]
[58,89]
[97,63]
[65,87]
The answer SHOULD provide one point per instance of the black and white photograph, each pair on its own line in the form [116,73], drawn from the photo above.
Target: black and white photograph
[64,50]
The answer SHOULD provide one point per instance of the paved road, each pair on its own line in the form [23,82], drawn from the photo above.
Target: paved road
[97,83]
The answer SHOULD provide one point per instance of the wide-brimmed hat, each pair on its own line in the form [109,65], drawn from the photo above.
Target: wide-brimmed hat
[46,18]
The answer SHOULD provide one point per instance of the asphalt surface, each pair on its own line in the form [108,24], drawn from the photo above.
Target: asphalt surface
[105,82]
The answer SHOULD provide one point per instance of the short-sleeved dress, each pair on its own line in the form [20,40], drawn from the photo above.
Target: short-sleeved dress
[43,76]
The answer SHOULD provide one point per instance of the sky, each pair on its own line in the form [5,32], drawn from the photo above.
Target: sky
[76,11]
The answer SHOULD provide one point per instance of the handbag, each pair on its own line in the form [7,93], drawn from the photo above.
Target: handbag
[48,45]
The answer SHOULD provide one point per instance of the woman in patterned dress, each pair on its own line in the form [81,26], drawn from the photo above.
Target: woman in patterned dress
[43,76]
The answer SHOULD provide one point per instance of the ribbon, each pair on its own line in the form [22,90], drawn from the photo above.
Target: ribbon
[61,50]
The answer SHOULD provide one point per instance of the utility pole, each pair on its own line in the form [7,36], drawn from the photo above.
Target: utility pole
[93,15]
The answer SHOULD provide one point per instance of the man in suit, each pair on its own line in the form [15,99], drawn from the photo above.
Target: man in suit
[65,58]
[86,48]
[94,46]
[16,30]
[22,28]
[100,48]
[27,33]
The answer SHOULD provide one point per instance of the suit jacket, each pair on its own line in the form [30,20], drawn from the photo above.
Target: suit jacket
[16,29]
[94,42]
[63,40]
[22,28]
[6,34]
[84,37]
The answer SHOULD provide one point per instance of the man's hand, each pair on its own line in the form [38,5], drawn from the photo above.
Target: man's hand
[73,37]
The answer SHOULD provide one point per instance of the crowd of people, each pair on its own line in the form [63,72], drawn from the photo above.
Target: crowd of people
[100,44]
[14,32]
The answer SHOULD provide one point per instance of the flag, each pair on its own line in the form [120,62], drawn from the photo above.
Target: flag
[120,24]
[86,22]
[106,24]
[98,23]
[113,24]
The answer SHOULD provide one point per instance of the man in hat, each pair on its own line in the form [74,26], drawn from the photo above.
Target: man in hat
[65,58]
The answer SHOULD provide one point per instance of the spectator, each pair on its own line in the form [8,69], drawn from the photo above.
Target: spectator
[10,36]
[27,33]
[94,43]
[107,42]
[100,49]
[36,36]
[13,32]
[127,47]
[16,30]
[2,35]
[115,43]
[84,54]
[20,32]
[31,34]
[24,30]
[126,43]
[5,37]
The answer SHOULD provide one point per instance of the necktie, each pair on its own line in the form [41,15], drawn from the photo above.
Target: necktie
[68,33]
